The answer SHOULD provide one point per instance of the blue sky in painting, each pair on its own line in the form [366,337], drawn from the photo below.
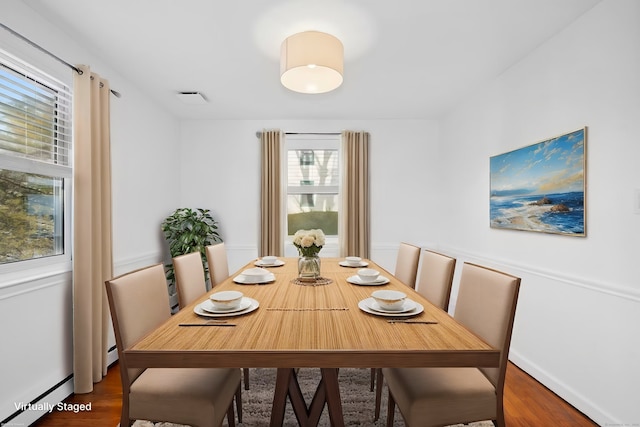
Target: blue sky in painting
[548,167]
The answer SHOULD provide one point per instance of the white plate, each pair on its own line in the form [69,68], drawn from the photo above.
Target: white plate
[359,265]
[278,263]
[198,309]
[356,280]
[407,306]
[208,306]
[365,304]
[244,280]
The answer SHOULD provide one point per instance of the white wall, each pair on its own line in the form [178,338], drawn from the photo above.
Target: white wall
[575,326]
[221,172]
[578,311]
[36,313]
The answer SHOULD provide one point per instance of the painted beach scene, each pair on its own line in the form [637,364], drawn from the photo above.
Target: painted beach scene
[541,187]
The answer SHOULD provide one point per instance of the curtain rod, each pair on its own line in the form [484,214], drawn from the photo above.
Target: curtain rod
[259,133]
[41,49]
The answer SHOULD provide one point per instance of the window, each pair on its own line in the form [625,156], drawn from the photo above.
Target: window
[35,163]
[313,183]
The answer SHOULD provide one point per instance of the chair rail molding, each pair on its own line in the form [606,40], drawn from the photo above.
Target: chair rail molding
[35,283]
[124,265]
[581,282]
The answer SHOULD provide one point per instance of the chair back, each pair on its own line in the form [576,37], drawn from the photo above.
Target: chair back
[407,264]
[218,264]
[436,277]
[139,303]
[190,279]
[486,305]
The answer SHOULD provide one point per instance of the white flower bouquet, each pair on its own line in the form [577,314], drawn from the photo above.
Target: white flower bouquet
[309,242]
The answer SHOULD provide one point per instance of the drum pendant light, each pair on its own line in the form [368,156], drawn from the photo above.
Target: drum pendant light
[311,62]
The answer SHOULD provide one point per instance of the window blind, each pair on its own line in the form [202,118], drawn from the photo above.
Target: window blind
[35,114]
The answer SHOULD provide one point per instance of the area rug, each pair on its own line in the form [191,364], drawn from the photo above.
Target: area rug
[357,401]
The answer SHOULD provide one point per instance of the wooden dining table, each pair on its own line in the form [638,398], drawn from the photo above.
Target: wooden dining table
[312,326]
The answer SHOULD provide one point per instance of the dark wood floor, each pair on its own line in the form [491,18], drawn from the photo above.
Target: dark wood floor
[527,403]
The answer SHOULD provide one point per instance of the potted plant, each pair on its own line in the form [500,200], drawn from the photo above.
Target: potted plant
[186,231]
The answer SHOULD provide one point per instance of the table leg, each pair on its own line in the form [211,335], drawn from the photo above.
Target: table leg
[334,404]
[328,391]
[280,396]
[297,400]
[317,403]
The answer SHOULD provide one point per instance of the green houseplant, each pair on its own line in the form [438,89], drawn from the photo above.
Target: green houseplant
[188,230]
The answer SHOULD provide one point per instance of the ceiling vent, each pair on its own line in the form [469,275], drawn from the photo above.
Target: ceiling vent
[192,98]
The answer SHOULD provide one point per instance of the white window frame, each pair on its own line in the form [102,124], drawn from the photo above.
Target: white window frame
[310,142]
[16,273]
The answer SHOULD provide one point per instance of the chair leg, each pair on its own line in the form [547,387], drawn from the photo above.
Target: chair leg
[499,421]
[391,409]
[124,414]
[245,371]
[379,384]
[231,416]
[238,399]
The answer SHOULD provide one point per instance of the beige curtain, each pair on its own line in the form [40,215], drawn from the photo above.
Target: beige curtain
[271,219]
[354,223]
[92,257]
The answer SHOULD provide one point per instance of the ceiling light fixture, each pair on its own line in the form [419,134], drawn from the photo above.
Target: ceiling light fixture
[311,62]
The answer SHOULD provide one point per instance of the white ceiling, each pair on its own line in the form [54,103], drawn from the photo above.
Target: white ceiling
[403,58]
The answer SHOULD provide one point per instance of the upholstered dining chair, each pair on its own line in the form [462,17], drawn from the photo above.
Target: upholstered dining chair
[139,302]
[486,305]
[189,276]
[406,271]
[407,264]
[434,283]
[190,285]
[218,264]
[436,278]
[218,273]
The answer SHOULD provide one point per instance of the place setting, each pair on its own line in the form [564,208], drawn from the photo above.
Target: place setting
[254,276]
[390,303]
[224,304]
[269,261]
[353,262]
[368,277]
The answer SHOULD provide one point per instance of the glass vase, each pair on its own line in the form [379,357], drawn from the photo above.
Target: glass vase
[309,267]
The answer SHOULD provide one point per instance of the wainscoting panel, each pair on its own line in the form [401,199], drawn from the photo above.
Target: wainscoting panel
[36,340]
[577,337]
[37,337]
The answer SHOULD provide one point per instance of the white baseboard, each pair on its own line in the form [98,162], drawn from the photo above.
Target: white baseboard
[52,399]
[568,394]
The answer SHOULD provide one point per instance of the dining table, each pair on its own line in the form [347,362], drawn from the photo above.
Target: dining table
[328,323]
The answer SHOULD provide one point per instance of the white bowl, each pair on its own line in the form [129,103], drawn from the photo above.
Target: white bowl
[368,275]
[255,273]
[269,260]
[226,300]
[353,260]
[389,300]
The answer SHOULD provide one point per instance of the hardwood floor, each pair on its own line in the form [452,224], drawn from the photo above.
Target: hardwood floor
[527,403]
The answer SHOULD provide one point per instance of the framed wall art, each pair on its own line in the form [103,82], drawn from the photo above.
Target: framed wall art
[541,187]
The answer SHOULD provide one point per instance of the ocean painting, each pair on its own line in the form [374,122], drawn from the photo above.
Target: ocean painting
[541,187]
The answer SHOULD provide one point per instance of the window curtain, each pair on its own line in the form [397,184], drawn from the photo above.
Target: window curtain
[354,223]
[271,217]
[92,253]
